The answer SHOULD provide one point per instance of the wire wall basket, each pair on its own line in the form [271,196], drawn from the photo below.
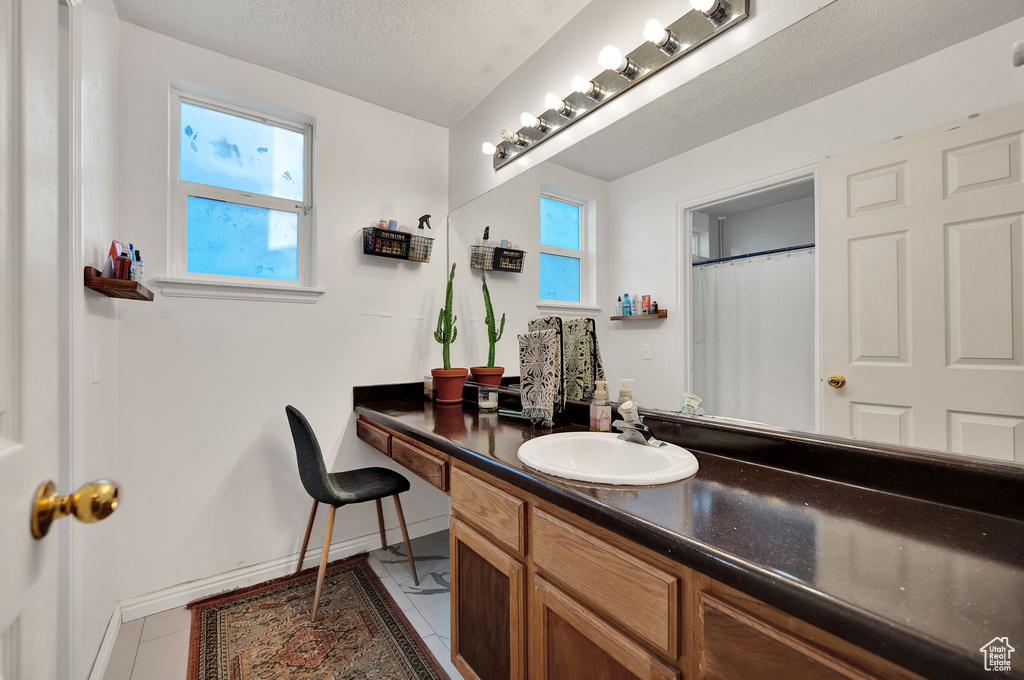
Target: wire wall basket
[398,245]
[497,259]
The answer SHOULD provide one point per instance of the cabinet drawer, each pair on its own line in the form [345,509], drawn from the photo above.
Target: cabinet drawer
[418,461]
[491,510]
[374,436]
[642,599]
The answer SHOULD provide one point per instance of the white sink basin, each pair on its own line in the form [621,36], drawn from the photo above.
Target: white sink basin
[603,457]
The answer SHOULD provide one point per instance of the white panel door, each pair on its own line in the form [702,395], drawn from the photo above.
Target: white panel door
[29,334]
[922,290]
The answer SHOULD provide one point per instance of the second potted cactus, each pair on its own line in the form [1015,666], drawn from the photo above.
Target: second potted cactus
[490,374]
[448,381]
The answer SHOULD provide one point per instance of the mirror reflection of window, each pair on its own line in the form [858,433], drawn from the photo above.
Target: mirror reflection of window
[561,249]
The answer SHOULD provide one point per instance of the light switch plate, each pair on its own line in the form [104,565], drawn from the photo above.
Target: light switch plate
[646,347]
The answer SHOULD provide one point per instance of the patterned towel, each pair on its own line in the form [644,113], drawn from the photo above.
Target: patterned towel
[554,323]
[540,361]
[582,358]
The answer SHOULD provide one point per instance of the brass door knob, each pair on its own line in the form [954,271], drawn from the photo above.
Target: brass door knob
[94,502]
[836,381]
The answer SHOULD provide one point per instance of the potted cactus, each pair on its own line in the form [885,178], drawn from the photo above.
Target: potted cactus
[448,381]
[490,374]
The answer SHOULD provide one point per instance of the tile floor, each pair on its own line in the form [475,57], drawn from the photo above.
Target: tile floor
[156,647]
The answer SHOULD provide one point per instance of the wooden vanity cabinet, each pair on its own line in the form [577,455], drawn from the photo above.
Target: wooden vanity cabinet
[540,593]
[488,608]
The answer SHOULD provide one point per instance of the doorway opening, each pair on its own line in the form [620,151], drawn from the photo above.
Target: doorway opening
[753,311]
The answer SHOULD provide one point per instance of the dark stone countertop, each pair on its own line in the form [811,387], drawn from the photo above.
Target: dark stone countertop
[922,583]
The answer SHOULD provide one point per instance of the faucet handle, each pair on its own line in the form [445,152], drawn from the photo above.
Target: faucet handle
[629,411]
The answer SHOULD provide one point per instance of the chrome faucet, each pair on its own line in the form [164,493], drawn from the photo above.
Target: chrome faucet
[632,426]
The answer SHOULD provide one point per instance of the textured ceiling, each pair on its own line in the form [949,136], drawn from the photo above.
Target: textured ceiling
[433,60]
[840,45]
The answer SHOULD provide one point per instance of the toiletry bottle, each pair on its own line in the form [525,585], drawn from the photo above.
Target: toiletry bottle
[122,266]
[618,307]
[140,267]
[626,391]
[131,262]
[654,307]
[627,310]
[636,305]
[600,409]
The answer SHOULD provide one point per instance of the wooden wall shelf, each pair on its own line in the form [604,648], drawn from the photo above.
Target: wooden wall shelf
[116,288]
[662,314]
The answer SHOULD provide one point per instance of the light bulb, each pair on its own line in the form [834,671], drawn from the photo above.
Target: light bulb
[559,106]
[703,5]
[514,138]
[529,120]
[611,58]
[655,32]
[488,148]
[582,85]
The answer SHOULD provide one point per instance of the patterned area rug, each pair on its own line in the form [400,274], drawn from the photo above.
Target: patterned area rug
[264,632]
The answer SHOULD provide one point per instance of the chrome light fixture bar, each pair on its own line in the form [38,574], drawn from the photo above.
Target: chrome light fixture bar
[664,46]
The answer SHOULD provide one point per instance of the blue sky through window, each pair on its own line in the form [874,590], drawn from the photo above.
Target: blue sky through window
[559,224]
[559,278]
[241,240]
[238,153]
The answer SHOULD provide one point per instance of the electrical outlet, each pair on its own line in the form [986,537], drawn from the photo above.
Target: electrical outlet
[646,348]
[385,315]
[96,363]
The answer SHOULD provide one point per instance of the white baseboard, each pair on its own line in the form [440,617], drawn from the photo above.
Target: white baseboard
[180,595]
[99,666]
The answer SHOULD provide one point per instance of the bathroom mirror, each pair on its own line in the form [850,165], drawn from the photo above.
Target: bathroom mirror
[761,336]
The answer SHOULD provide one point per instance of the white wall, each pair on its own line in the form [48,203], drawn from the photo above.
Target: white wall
[95,445]
[513,212]
[573,51]
[208,465]
[776,226]
[976,75]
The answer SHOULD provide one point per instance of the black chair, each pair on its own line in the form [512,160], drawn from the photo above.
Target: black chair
[341,488]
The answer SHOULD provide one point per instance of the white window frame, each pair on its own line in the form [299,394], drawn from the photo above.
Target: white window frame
[179,281]
[583,254]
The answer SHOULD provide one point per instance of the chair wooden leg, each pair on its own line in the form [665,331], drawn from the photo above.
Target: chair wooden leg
[405,537]
[323,561]
[380,523]
[305,539]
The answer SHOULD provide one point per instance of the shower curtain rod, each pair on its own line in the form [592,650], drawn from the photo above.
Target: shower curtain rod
[763,252]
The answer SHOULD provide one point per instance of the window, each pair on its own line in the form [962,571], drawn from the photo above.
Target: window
[242,199]
[561,249]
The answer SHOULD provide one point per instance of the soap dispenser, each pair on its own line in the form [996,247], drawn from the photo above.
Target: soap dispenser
[626,391]
[600,409]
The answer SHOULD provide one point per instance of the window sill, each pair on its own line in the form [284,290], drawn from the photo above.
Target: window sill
[197,288]
[567,306]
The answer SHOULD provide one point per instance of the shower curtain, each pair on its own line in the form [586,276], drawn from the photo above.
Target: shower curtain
[753,338]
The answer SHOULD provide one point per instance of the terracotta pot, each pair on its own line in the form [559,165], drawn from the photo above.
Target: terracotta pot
[448,384]
[488,376]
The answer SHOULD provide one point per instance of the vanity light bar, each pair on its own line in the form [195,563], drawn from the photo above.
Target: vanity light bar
[665,44]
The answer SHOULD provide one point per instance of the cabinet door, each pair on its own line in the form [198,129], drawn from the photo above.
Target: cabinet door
[570,642]
[488,608]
